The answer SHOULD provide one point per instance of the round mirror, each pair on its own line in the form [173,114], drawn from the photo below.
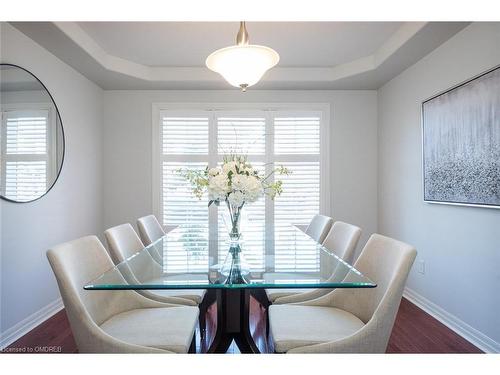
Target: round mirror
[31,137]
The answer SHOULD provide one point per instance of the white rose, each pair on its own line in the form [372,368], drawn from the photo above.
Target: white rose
[252,189]
[220,182]
[236,199]
[213,171]
[253,183]
[238,182]
[218,187]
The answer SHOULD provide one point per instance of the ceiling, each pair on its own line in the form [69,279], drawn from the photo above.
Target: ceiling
[171,55]
[188,43]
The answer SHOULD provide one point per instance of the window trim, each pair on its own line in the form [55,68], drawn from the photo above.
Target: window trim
[192,107]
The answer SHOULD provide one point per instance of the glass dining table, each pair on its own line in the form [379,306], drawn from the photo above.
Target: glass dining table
[232,272]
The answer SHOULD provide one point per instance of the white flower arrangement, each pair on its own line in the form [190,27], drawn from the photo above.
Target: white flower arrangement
[236,182]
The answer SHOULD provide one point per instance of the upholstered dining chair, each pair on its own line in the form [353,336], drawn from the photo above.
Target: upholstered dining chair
[348,320]
[150,229]
[115,321]
[318,227]
[123,242]
[341,240]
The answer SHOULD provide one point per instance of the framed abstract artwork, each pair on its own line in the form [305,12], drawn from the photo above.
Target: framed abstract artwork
[461,143]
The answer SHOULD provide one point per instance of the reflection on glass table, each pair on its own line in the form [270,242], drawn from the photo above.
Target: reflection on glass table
[183,260]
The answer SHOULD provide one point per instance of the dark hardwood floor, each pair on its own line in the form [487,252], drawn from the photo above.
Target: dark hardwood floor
[415,331]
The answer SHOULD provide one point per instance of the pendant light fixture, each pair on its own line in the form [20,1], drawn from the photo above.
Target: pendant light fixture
[244,64]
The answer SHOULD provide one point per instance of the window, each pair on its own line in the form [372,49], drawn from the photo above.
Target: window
[296,138]
[297,147]
[184,145]
[26,146]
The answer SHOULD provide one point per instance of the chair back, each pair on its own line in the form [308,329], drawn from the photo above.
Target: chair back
[387,262]
[123,242]
[319,227]
[75,264]
[150,229]
[342,240]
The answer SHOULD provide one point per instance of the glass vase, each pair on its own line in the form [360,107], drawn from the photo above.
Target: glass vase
[232,219]
[235,266]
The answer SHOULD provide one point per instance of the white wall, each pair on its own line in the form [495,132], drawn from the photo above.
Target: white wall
[127,150]
[72,208]
[460,245]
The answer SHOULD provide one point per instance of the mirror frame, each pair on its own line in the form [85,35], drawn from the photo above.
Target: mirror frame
[62,132]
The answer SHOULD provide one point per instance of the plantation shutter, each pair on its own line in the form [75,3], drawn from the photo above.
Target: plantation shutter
[25,154]
[297,147]
[297,135]
[196,139]
[241,135]
[183,140]
[185,136]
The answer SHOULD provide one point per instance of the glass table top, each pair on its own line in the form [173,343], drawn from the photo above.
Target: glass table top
[187,259]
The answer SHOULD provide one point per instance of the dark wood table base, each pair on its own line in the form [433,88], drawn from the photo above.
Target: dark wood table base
[233,322]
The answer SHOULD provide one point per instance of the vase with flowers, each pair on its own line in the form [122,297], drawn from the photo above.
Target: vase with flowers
[235,183]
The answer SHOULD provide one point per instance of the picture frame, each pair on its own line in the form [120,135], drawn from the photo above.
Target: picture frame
[461,143]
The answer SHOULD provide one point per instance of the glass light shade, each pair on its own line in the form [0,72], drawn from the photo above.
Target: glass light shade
[242,65]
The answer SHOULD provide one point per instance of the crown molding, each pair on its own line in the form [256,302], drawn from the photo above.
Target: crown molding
[201,74]
[72,44]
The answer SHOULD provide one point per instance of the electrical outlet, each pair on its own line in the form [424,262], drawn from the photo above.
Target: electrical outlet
[421,267]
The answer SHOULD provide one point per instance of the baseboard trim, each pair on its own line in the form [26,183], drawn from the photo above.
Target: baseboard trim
[475,337]
[34,320]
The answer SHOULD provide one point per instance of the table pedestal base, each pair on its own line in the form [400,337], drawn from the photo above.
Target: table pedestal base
[233,322]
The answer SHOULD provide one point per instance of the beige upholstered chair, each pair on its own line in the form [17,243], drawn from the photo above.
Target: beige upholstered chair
[123,242]
[318,227]
[115,321]
[342,241]
[150,229]
[348,320]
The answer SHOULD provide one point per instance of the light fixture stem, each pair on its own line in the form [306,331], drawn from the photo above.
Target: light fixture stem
[242,37]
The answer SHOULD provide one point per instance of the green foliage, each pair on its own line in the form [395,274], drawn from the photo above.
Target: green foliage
[198,180]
